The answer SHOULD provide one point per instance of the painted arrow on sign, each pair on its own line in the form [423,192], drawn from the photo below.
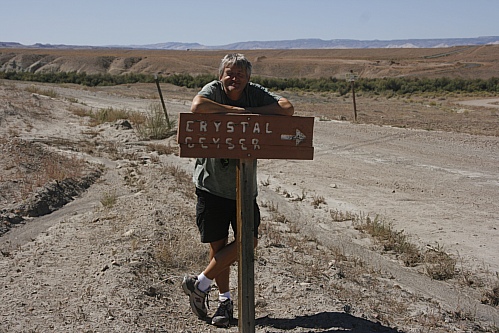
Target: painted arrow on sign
[299,137]
[245,136]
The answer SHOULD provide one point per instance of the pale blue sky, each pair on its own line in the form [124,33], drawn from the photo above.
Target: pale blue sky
[219,22]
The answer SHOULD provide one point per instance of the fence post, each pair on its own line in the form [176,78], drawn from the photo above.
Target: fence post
[162,101]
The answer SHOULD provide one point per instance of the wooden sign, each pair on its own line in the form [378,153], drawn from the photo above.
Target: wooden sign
[245,136]
[351,77]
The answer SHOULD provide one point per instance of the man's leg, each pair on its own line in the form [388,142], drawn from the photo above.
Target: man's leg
[222,256]
[221,261]
[219,266]
[222,279]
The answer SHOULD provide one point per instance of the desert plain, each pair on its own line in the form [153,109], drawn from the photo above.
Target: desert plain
[109,256]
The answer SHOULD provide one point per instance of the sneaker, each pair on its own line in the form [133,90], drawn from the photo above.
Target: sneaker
[197,298]
[224,314]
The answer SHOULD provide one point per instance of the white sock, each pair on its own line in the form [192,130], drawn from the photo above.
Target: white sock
[224,296]
[204,283]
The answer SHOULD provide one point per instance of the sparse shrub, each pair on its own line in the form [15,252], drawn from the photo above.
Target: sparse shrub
[45,92]
[109,115]
[137,118]
[270,206]
[155,125]
[390,239]
[393,85]
[278,217]
[439,265]
[163,254]
[492,297]
[339,216]
[161,149]
[80,111]
[273,234]
[318,200]
[72,99]
[265,182]
[108,199]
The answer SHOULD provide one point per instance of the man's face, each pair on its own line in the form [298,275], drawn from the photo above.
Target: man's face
[234,80]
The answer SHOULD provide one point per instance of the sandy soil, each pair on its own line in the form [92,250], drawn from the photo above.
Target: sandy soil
[91,268]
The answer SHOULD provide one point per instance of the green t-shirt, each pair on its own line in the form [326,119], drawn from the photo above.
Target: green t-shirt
[218,176]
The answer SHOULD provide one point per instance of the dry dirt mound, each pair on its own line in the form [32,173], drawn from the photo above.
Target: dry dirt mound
[46,200]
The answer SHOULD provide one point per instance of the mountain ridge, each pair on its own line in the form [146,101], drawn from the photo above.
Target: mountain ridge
[307,43]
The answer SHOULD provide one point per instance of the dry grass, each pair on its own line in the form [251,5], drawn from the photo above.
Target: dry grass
[29,166]
[317,200]
[109,199]
[45,92]
[155,126]
[162,149]
[352,281]
[492,297]
[108,115]
[183,180]
[347,280]
[102,116]
[439,265]
[339,216]
[178,250]
[151,125]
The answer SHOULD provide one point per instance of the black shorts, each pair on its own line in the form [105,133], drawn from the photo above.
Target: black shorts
[214,214]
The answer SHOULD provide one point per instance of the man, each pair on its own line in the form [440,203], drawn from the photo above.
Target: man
[215,181]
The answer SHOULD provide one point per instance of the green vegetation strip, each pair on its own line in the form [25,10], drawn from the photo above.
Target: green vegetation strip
[400,85]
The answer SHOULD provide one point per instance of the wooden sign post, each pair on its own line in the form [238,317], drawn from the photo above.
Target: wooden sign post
[244,240]
[245,137]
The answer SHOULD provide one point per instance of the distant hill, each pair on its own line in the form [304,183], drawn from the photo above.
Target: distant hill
[285,44]
[361,44]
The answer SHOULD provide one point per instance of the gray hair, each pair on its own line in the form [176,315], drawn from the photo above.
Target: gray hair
[235,59]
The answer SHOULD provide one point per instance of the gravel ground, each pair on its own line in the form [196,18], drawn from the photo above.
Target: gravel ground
[112,259]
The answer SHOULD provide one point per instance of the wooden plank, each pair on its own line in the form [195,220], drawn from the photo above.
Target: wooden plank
[245,246]
[268,152]
[245,136]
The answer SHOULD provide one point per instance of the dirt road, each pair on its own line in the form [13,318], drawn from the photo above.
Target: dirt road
[489,102]
[438,187]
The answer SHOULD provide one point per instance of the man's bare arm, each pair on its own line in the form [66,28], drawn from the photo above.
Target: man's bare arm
[202,104]
[283,107]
